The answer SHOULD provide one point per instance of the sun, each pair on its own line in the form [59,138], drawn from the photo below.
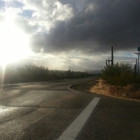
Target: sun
[13,41]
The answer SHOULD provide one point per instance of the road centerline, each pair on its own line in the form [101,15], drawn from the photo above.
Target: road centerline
[75,127]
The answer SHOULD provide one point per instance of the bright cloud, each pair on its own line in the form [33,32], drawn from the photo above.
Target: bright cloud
[82,29]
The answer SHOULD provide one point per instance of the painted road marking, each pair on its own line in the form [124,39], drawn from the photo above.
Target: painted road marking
[75,127]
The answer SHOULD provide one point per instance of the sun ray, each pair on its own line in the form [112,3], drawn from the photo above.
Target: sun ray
[14,42]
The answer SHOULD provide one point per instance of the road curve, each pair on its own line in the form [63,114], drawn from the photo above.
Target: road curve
[43,111]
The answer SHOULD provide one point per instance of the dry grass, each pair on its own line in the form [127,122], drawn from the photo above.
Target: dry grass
[129,91]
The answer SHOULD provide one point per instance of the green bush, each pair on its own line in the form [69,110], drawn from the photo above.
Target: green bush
[120,74]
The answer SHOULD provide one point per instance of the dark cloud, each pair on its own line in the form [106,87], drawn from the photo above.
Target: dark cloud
[96,25]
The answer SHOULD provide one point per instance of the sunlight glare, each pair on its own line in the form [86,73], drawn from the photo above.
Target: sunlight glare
[14,42]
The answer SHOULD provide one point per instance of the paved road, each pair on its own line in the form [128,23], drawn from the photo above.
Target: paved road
[43,111]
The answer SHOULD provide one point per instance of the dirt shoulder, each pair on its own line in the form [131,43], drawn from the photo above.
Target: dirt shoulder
[99,86]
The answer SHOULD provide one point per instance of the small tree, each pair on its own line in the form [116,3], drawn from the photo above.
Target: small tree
[119,74]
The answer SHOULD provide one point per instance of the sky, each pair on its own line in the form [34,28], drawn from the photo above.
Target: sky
[63,34]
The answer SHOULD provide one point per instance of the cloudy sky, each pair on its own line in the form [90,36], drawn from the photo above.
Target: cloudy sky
[69,33]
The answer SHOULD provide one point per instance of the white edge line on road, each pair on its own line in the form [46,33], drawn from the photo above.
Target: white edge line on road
[75,127]
[69,87]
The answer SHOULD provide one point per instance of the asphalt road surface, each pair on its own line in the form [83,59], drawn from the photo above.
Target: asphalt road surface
[43,111]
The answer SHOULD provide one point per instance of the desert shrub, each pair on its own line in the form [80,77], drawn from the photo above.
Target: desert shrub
[120,74]
[32,73]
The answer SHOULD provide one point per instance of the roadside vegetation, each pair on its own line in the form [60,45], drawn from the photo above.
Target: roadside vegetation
[123,79]
[32,73]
